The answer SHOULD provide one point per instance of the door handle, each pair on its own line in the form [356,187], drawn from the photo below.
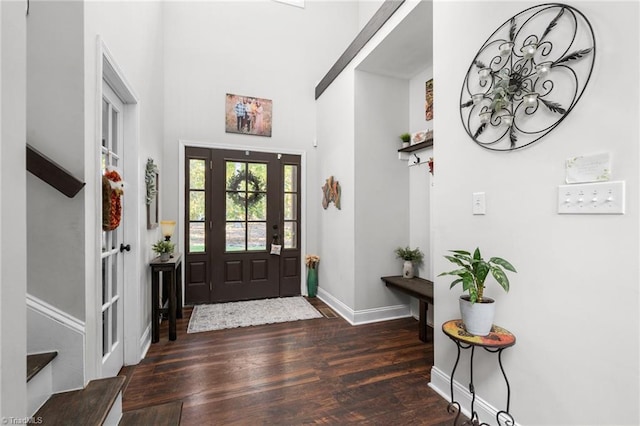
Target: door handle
[123,247]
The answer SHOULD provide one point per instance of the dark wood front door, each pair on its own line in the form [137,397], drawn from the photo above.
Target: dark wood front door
[238,205]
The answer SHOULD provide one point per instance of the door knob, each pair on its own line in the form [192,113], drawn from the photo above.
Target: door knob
[123,247]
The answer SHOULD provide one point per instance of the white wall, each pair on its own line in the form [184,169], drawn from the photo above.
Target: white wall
[13,233]
[51,330]
[278,52]
[420,184]
[55,107]
[336,157]
[344,146]
[420,180]
[574,303]
[381,190]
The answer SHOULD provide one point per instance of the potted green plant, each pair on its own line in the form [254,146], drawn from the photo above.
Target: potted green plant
[476,309]
[164,248]
[406,139]
[411,257]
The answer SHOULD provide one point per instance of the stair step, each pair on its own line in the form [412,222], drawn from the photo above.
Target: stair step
[158,415]
[88,406]
[36,362]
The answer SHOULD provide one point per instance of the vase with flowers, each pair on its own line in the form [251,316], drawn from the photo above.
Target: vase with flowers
[312,261]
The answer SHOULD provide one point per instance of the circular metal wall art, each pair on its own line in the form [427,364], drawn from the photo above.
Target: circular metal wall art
[527,77]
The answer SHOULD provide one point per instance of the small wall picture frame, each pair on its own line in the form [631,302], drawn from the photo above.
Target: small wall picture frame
[428,101]
[151,200]
[418,137]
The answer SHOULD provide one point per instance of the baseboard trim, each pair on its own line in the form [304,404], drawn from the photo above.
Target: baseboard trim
[364,316]
[441,383]
[145,342]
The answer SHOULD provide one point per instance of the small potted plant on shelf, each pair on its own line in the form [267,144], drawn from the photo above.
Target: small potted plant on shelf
[477,310]
[164,248]
[406,139]
[411,258]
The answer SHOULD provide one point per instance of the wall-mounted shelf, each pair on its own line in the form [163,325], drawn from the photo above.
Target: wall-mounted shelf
[418,146]
[405,154]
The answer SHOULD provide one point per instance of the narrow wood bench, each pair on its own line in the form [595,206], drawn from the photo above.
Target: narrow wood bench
[419,288]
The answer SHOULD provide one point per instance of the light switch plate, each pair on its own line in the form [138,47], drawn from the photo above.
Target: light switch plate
[592,198]
[479,203]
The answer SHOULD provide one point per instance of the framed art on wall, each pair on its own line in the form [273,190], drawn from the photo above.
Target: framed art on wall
[428,102]
[151,198]
[248,115]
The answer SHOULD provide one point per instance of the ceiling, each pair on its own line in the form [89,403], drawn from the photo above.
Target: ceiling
[408,49]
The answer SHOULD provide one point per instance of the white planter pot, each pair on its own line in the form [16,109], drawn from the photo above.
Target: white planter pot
[407,269]
[477,317]
[406,144]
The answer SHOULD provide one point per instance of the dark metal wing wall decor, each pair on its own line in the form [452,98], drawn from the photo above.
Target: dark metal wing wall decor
[527,77]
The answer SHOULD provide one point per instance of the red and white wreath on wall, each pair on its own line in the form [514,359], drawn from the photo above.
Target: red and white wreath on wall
[112,190]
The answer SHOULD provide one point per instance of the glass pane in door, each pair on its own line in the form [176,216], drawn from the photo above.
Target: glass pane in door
[197,206]
[257,236]
[235,236]
[196,173]
[290,207]
[290,235]
[246,206]
[196,237]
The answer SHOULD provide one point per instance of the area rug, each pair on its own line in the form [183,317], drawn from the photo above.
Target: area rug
[251,312]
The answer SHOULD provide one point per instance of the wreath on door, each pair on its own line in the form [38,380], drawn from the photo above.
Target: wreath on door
[236,192]
[112,190]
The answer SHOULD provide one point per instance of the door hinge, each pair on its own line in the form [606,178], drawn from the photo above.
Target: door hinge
[210,286]
[210,164]
[210,225]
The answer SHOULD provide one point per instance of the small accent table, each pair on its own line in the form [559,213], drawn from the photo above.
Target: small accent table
[171,269]
[495,342]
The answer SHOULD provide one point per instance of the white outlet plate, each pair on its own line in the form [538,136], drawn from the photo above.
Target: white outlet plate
[479,203]
[592,198]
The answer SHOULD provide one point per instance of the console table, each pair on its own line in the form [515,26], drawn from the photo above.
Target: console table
[495,342]
[171,271]
[417,287]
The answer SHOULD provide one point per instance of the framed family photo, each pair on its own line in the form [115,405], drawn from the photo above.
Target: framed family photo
[248,115]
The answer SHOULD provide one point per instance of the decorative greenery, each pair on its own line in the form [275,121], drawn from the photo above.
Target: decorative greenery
[406,253]
[238,195]
[405,137]
[475,270]
[163,246]
[150,179]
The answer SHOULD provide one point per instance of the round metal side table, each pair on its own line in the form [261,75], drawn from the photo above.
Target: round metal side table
[495,342]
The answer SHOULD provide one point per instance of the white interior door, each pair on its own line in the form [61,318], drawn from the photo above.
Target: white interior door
[112,307]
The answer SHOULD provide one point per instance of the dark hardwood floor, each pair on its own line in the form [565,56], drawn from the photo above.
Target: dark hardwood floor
[320,371]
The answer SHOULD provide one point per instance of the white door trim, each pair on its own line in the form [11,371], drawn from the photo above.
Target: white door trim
[108,70]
